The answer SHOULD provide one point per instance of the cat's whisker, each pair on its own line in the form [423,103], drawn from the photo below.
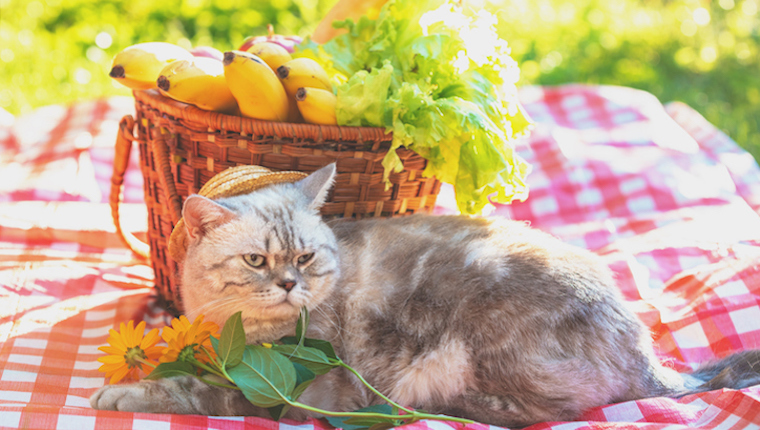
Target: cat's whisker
[332,321]
[210,308]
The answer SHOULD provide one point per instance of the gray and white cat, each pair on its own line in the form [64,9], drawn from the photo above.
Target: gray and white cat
[485,319]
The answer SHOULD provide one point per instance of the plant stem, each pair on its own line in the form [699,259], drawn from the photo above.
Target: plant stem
[411,416]
[208,354]
[422,416]
[218,384]
[145,362]
[373,389]
[210,370]
[348,414]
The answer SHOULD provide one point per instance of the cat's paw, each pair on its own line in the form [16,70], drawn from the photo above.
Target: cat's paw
[130,398]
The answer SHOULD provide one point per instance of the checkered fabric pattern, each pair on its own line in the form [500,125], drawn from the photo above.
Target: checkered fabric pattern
[671,203]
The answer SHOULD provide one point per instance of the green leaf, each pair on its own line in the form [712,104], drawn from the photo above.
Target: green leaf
[232,341]
[311,358]
[322,345]
[304,378]
[361,100]
[215,344]
[167,370]
[266,377]
[383,426]
[357,423]
[378,409]
[277,412]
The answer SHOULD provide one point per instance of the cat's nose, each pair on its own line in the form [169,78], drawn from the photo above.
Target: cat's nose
[287,285]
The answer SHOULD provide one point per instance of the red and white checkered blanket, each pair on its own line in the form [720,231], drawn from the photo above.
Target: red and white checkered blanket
[670,202]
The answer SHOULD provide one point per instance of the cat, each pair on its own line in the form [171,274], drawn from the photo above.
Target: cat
[486,319]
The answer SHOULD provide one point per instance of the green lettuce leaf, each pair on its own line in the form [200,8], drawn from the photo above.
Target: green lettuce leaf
[437,76]
[358,103]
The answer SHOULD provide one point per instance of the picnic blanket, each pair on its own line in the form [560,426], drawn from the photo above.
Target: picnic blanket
[670,202]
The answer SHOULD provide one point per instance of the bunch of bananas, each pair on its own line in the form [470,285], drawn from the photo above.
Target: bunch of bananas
[262,82]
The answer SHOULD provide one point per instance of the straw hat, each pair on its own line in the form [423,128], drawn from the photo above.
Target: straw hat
[232,182]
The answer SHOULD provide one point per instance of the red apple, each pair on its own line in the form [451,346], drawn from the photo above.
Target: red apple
[287,42]
[207,51]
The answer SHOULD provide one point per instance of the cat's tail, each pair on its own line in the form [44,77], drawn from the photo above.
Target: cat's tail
[737,371]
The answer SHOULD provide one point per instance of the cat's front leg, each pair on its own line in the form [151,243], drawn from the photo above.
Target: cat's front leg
[177,395]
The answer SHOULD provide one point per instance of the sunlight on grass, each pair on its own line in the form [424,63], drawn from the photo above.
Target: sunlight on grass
[701,52]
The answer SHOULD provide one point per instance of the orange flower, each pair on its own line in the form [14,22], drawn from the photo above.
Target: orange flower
[130,351]
[185,340]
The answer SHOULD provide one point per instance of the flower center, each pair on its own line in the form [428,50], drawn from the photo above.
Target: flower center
[134,356]
[187,353]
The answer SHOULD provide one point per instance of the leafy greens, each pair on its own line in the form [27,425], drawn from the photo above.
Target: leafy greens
[439,78]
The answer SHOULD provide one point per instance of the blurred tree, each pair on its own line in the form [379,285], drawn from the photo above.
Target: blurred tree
[56,51]
[702,52]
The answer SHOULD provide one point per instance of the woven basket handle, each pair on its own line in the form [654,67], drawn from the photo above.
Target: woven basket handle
[124,140]
[160,151]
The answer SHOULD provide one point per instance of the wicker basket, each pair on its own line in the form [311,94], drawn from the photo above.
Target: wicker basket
[182,147]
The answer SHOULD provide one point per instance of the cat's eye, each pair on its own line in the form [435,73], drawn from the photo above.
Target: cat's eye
[255,260]
[303,259]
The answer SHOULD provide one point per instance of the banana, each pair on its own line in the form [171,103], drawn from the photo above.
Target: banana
[272,54]
[301,73]
[255,86]
[138,66]
[317,105]
[199,81]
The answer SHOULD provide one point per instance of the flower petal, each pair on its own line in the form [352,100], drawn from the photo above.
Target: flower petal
[154,352]
[119,375]
[150,339]
[168,334]
[117,340]
[126,333]
[211,327]
[111,350]
[133,337]
[109,369]
[147,369]
[169,356]
[178,342]
[133,374]
[185,322]
[139,333]
[111,359]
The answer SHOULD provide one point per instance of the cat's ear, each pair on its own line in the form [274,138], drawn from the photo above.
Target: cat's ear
[202,214]
[316,186]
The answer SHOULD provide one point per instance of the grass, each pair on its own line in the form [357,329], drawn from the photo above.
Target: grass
[701,52]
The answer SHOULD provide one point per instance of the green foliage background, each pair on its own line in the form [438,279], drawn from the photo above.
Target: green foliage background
[701,52]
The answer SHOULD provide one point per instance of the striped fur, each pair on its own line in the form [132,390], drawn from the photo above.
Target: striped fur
[484,319]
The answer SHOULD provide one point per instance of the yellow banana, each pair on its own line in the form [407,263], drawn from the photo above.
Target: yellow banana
[317,105]
[138,66]
[301,73]
[272,54]
[255,86]
[199,81]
